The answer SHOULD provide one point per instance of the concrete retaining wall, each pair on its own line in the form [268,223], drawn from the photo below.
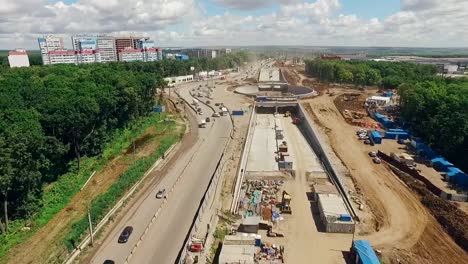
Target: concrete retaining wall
[309,128]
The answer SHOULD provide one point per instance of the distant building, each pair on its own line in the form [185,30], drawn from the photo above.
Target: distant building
[62,57]
[145,44]
[105,45]
[88,56]
[130,54]
[18,58]
[150,54]
[201,53]
[48,44]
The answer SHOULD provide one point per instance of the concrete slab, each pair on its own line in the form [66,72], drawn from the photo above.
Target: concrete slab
[262,156]
[311,163]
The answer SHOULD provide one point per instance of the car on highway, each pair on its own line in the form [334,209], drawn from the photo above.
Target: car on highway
[161,194]
[215,115]
[123,238]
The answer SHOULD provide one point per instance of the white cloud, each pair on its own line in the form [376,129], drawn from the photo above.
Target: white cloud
[295,22]
[250,4]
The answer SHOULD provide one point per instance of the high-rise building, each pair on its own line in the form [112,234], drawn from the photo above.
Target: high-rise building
[77,41]
[105,45]
[145,44]
[48,44]
[131,42]
[18,58]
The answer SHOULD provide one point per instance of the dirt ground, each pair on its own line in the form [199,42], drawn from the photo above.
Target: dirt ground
[47,242]
[398,225]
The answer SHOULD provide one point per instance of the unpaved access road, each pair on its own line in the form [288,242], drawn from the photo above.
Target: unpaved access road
[402,227]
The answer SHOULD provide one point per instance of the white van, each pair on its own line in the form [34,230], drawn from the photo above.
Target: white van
[202,123]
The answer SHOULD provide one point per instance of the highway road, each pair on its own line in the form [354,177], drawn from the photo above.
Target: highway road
[166,236]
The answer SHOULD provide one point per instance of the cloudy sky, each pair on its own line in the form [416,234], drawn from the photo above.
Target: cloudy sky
[407,23]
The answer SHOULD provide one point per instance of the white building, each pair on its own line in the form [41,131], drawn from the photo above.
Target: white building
[62,57]
[171,81]
[105,45]
[48,44]
[379,100]
[150,54]
[88,56]
[18,58]
[131,55]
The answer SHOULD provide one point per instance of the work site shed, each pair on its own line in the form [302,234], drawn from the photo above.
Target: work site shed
[376,137]
[440,164]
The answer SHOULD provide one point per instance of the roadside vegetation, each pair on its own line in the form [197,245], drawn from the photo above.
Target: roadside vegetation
[60,123]
[432,107]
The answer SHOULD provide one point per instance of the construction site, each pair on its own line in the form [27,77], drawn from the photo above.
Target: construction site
[305,188]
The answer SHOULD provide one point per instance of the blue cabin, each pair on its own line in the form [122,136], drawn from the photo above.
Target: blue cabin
[440,164]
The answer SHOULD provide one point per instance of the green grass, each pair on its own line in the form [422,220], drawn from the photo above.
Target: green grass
[60,193]
[102,204]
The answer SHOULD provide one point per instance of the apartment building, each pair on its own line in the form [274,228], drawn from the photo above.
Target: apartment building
[18,58]
[62,57]
[48,44]
[105,45]
[130,54]
[89,56]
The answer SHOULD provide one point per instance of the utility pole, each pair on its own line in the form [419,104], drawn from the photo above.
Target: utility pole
[90,228]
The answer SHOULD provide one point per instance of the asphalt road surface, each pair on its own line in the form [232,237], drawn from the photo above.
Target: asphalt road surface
[166,236]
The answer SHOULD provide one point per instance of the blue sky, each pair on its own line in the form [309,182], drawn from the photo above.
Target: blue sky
[402,23]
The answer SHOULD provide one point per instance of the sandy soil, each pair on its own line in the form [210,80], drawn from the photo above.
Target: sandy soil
[400,223]
[304,239]
[47,242]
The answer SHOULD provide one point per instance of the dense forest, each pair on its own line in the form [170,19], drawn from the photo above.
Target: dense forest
[51,116]
[437,111]
[385,74]
[435,108]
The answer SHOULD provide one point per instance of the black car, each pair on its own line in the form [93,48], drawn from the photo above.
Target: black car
[123,238]
[108,261]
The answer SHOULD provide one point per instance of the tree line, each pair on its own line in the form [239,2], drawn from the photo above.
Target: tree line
[437,111]
[52,116]
[370,73]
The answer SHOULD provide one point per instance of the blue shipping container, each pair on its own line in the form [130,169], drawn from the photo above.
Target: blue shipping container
[237,112]
[376,137]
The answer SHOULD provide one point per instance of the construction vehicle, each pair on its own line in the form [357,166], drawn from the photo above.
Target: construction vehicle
[286,203]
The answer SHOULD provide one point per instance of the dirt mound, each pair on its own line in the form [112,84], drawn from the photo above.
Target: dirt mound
[452,219]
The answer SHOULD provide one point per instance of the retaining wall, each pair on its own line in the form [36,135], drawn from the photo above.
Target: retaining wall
[310,134]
